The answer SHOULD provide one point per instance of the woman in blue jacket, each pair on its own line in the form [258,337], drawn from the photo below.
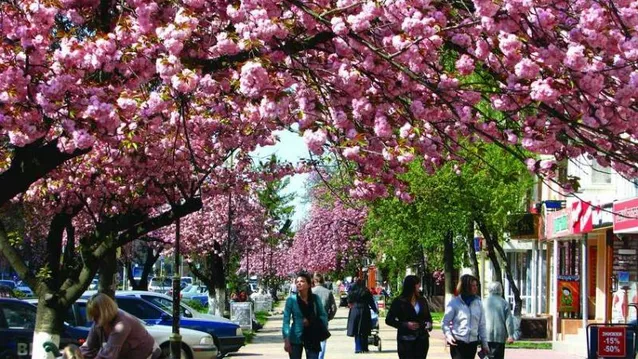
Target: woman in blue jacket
[307,313]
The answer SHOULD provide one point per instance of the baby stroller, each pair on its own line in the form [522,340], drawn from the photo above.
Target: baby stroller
[374,338]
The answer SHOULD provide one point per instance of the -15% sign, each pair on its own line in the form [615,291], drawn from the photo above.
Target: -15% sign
[612,342]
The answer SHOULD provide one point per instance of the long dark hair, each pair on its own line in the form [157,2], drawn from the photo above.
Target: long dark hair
[408,287]
[305,275]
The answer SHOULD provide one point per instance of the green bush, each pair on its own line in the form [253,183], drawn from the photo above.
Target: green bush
[197,305]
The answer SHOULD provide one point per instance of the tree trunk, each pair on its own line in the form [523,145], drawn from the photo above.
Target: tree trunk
[448,259]
[214,276]
[471,252]
[491,252]
[518,301]
[107,283]
[49,325]
[149,261]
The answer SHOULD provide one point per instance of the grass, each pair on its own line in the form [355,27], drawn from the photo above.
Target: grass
[436,319]
[530,345]
[262,318]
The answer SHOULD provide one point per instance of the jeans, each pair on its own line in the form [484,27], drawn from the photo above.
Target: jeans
[296,349]
[497,349]
[463,350]
[413,349]
[360,343]
[322,353]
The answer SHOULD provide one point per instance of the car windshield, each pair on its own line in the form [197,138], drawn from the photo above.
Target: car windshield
[161,282]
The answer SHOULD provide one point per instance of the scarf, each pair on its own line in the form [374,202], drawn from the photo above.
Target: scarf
[468,299]
[310,341]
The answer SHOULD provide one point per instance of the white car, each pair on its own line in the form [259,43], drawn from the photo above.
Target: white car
[194,290]
[195,344]
[160,285]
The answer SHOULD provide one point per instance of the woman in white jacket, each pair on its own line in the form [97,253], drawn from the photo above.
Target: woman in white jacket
[464,321]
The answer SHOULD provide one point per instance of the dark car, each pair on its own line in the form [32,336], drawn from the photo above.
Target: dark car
[17,323]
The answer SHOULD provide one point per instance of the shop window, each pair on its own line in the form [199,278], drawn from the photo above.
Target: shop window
[600,174]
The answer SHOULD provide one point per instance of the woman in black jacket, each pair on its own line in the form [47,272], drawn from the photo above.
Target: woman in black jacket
[410,314]
[360,302]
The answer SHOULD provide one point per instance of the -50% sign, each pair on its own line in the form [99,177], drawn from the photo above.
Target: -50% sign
[612,342]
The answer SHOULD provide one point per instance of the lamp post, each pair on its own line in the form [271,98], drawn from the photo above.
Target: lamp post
[176,338]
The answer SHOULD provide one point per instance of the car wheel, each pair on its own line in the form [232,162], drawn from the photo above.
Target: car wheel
[166,351]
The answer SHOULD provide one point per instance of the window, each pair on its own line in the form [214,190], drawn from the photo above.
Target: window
[600,174]
[167,305]
[19,316]
[139,308]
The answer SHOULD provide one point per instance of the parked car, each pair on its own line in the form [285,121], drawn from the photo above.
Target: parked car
[156,308]
[160,285]
[8,283]
[17,323]
[24,289]
[196,292]
[195,344]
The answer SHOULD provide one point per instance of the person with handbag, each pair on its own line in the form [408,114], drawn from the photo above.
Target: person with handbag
[305,322]
[410,314]
[360,302]
[329,304]
[463,323]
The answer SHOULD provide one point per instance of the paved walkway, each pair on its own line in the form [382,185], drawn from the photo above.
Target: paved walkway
[268,344]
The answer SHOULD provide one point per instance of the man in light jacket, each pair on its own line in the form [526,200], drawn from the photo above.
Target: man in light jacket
[328,300]
[498,320]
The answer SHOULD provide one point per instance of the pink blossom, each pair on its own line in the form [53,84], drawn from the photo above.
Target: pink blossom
[542,90]
[465,65]
[575,58]
[254,79]
[526,69]
[381,127]
[315,140]
[185,82]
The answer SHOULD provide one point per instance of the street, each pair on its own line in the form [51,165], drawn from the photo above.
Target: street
[268,343]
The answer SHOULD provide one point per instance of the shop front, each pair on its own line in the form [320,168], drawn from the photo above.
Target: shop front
[624,276]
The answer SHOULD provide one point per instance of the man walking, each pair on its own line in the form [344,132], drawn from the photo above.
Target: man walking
[328,300]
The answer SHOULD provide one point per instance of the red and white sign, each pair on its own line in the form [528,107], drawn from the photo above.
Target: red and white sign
[581,217]
[626,216]
[612,342]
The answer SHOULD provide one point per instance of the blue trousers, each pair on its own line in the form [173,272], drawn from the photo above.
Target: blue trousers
[360,343]
[322,353]
[296,349]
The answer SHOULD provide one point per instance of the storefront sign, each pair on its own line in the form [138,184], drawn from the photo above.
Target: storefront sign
[626,216]
[557,224]
[612,342]
[602,216]
[523,225]
[568,294]
[581,217]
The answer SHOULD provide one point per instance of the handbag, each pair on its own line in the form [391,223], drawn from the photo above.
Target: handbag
[322,333]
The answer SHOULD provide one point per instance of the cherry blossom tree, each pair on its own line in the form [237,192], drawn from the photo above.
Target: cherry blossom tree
[227,226]
[328,239]
[116,114]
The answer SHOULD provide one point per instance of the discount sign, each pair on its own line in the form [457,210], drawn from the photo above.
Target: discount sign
[612,342]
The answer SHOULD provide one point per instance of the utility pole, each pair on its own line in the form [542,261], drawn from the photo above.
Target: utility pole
[176,338]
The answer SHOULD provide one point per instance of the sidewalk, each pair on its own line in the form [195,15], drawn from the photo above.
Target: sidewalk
[268,343]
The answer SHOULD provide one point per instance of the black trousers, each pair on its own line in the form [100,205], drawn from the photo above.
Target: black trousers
[463,350]
[413,349]
[497,350]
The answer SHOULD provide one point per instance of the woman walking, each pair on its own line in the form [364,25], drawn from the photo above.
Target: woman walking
[499,321]
[410,314]
[360,302]
[464,321]
[308,315]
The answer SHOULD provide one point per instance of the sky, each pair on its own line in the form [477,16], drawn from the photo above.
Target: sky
[291,148]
